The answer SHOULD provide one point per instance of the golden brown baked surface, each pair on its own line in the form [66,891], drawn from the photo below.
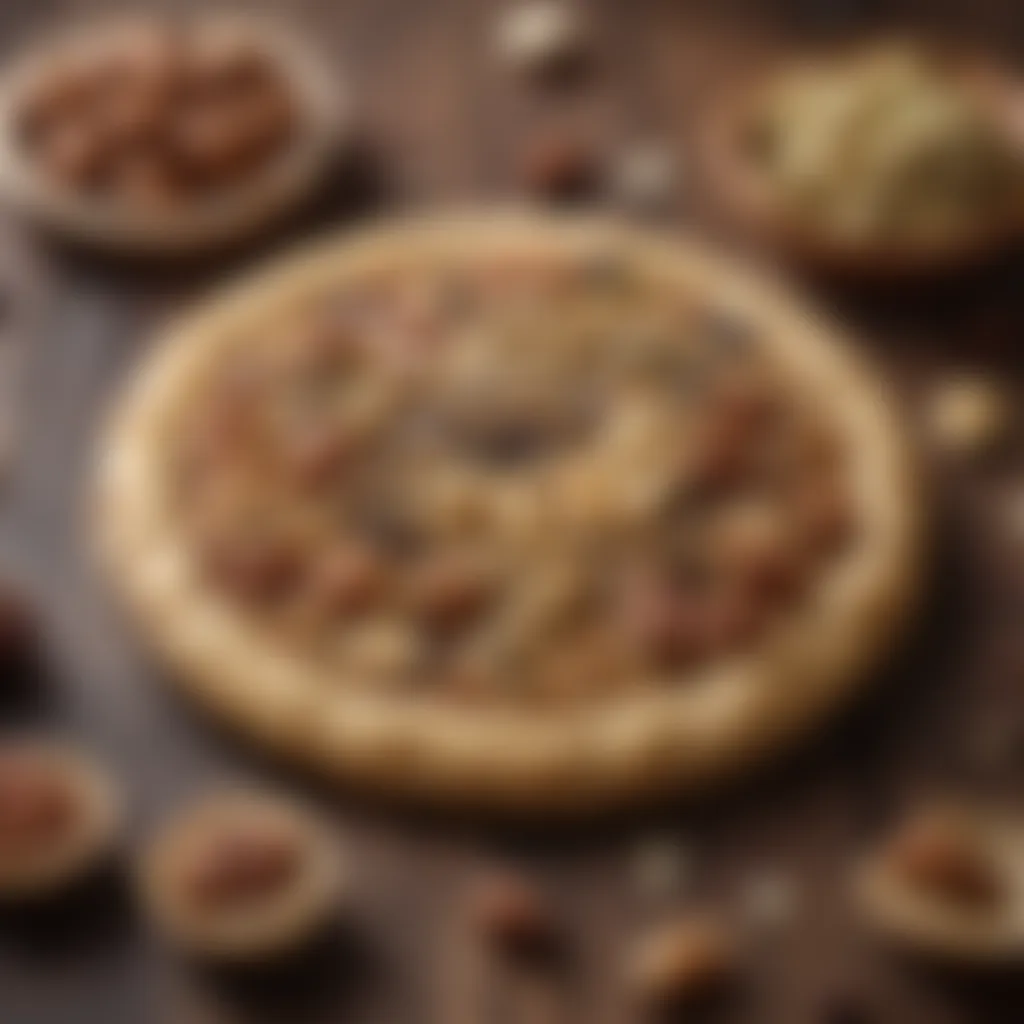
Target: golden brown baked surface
[512,511]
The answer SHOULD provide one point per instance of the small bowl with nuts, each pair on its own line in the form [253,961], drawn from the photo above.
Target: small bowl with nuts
[948,884]
[888,161]
[242,877]
[167,135]
[59,818]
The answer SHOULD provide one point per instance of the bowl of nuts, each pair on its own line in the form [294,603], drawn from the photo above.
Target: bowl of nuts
[882,162]
[162,136]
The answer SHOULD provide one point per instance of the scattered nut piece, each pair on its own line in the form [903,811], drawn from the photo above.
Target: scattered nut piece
[557,167]
[58,817]
[513,916]
[969,415]
[541,38]
[682,963]
[241,877]
[642,178]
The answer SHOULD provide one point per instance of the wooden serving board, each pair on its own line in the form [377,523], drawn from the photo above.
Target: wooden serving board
[446,122]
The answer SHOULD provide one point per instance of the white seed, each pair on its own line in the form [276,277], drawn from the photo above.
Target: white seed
[968,415]
[643,177]
[536,36]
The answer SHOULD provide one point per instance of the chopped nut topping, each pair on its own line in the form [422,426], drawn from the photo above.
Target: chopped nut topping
[722,448]
[348,580]
[735,618]
[319,457]
[758,550]
[447,594]
[507,522]
[257,571]
[661,622]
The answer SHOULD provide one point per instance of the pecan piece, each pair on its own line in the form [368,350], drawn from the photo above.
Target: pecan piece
[347,580]
[259,572]
[660,622]
[241,866]
[447,593]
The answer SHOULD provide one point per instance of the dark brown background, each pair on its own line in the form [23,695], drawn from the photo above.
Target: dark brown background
[445,123]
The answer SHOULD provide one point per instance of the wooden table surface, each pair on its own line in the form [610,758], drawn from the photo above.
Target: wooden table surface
[444,124]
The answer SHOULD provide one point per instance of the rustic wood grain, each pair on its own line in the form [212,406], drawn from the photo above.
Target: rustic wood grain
[444,124]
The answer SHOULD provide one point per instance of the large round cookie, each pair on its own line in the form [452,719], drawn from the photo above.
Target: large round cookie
[512,513]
